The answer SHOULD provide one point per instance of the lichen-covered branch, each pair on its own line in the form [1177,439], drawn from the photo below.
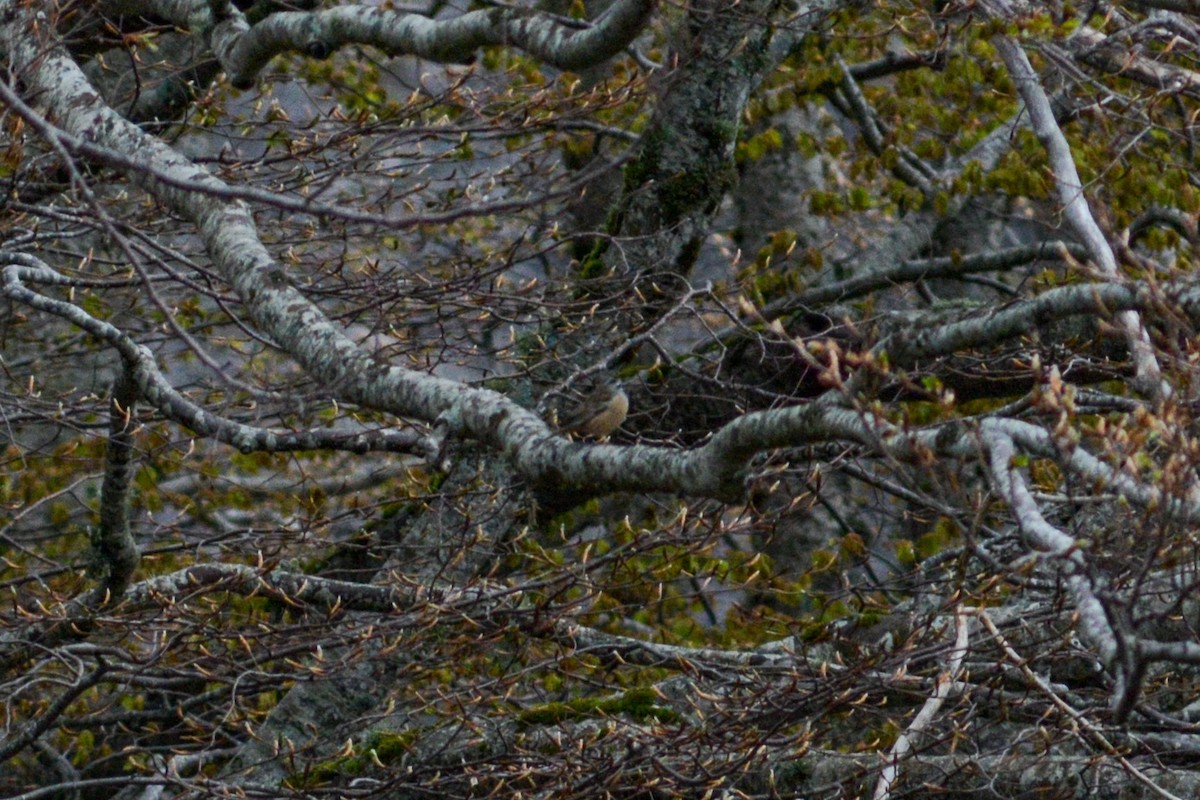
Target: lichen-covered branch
[244,48]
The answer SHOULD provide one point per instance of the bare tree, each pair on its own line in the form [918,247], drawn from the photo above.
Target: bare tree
[604,399]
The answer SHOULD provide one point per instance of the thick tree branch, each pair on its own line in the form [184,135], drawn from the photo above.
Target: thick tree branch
[114,547]
[943,267]
[1048,539]
[244,49]
[714,470]
[1090,46]
[1075,206]
[905,347]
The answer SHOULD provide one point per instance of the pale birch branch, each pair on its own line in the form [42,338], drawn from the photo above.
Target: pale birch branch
[1075,207]
[943,688]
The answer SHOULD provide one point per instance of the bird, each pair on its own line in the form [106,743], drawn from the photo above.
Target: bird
[599,413]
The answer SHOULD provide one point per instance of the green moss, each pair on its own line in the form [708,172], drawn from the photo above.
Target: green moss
[639,703]
[647,165]
[324,772]
[679,192]
[85,744]
[757,146]
[868,617]
[379,747]
[547,714]
[388,746]
[592,267]
[790,774]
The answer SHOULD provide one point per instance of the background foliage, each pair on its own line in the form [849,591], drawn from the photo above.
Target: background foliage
[906,497]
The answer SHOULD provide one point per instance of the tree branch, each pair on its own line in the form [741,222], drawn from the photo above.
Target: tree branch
[114,546]
[244,49]
[1075,206]
[153,387]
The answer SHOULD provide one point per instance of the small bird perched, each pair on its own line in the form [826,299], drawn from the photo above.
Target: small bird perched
[599,413]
